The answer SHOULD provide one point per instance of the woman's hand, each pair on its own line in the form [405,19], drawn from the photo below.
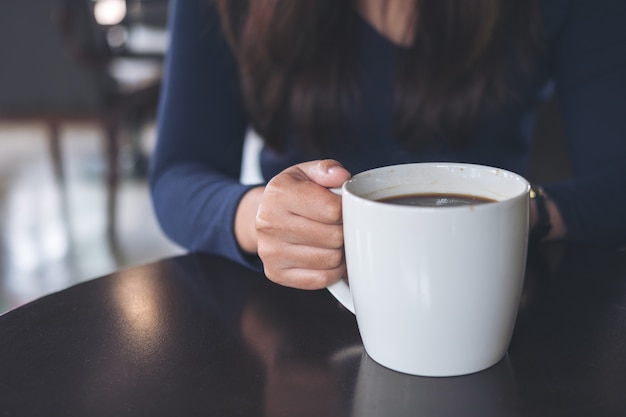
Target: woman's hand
[558,229]
[299,232]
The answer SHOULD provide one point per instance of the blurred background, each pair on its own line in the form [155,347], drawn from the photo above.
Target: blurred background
[79,84]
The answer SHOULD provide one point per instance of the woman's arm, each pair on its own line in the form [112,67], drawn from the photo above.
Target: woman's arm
[590,75]
[201,128]
[557,227]
[294,222]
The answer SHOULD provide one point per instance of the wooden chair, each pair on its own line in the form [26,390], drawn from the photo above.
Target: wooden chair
[55,69]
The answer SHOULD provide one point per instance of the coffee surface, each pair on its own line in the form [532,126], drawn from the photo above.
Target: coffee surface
[436,200]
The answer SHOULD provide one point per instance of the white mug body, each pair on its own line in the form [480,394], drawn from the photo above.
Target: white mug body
[436,289]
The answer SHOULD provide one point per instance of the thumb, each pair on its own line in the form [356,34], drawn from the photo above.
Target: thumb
[326,172]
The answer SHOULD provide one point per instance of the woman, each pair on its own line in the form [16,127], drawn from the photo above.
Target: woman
[336,87]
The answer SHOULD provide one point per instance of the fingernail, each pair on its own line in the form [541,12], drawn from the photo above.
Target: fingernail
[332,169]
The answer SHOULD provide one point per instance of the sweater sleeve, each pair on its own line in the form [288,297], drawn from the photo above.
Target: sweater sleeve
[195,168]
[590,75]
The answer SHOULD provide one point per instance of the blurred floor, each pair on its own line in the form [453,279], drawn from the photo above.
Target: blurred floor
[52,238]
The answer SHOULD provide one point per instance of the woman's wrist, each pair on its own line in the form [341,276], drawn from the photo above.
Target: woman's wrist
[556,229]
[541,224]
[245,220]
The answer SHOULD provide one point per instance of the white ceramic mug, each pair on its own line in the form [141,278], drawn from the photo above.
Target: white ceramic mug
[435,290]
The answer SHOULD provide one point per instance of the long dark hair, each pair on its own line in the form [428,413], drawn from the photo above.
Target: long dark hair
[297,64]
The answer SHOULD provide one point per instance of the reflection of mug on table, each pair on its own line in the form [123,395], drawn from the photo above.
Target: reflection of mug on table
[382,392]
[435,289]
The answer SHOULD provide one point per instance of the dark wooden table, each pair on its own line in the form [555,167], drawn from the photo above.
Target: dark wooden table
[200,336]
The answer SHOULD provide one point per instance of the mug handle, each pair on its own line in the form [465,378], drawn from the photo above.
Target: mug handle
[341,290]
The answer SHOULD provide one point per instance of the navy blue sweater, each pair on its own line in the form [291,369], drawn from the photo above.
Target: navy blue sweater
[202,124]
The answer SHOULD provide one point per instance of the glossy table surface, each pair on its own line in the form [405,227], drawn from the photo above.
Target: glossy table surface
[200,336]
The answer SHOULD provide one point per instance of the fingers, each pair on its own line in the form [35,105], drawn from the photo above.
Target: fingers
[304,267]
[307,279]
[327,172]
[299,226]
[298,230]
[304,199]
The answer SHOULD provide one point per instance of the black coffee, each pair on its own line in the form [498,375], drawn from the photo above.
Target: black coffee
[437,200]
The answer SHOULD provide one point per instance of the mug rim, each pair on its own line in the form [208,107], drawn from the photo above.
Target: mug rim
[524,191]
